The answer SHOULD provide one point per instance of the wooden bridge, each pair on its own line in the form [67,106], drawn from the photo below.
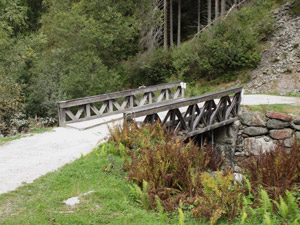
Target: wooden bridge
[188,117]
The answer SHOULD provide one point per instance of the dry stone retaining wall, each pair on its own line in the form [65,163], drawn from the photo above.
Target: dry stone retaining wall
[254,133]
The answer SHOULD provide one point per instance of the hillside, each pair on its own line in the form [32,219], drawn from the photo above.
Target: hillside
[279,69]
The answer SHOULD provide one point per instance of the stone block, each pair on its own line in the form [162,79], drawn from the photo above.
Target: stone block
[277,124]
[281,134]
[252,120]
[255,131]
[279,116]
[257,145]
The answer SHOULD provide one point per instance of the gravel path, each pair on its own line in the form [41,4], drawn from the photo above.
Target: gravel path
[26,159]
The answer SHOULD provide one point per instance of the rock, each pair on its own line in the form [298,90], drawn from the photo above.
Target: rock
[279,116]
[289,142]
[252,120]
[237,169]
[296,127]
[277,124]
[267,139]
[257,145]
[281,134]
[72,201]
[296,121]
[238,177]
[255,131]
[298,134]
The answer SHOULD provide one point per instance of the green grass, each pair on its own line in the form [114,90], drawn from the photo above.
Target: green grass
[7,139]
[284,108]
[42,201]
[18,136]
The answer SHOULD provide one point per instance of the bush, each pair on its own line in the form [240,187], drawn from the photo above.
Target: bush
[170,166]
[221,196]
[276,171]
[152,67]
[11,101]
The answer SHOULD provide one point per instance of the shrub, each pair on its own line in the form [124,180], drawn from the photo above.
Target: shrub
[221,196]
[276,171]
[170,166]
[11,101]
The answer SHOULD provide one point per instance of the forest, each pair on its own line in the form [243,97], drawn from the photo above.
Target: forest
[54,50]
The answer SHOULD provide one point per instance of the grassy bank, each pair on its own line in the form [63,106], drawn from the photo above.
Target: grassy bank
[42,201]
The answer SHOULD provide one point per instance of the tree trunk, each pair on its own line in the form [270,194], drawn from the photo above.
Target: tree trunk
[199,16]
[223,7]
[209,11]
[171,23]
[216,9]
[179,23]
[165,25]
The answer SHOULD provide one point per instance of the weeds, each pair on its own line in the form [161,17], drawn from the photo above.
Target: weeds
[276,171]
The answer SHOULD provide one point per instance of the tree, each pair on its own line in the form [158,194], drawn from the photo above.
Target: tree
[179,23]
[208,11]
[152,22]
[171,23]
[216,9]
[165,24]
[223,7]
[199,16]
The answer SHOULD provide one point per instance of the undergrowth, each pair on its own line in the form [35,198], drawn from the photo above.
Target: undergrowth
[170,176]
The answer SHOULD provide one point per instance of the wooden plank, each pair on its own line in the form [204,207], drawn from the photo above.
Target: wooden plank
[70,114]
[115,95]
[79,112]
[103,108]
[94,109]
[87,110]
[217,110]
[212,127]
[61,117]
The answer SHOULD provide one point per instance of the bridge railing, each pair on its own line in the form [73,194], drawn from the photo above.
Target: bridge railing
[98,106]
[194,115]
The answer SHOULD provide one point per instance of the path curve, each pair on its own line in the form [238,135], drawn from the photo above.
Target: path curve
[26,159]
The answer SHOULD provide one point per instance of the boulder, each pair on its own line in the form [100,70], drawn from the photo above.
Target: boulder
[256,145]
[279,116]
[255,131]
[277,124]
[295,126]
[252,120]
[289,142]
[296,121]
[281,134]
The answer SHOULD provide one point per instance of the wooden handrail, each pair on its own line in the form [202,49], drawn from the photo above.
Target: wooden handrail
[194,120]
[86,110]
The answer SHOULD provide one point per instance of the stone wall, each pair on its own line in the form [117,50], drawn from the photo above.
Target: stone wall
[254,133]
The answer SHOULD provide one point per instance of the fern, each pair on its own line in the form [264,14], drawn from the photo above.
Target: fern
[266,205]
[244,216]
[140,196]
[282,208]
[160,209]
[267,219]
[292,205]
[180,216]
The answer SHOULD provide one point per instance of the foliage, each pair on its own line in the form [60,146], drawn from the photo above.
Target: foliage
[283,211]
[295,10]
[276,171]
[170,166]
[221,196]
[11,101]
[152,67]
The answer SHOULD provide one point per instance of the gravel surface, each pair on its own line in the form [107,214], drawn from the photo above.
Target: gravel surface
[24,160]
